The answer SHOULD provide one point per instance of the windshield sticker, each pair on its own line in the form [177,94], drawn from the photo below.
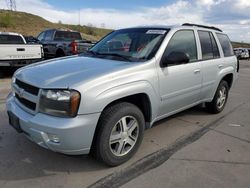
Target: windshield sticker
[157,32]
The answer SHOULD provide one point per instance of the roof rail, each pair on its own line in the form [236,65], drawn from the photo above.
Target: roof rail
[203,26]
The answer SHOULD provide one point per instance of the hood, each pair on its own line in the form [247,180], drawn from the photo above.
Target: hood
[66,72]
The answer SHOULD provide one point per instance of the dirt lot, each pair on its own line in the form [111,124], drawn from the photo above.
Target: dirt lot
[190,149]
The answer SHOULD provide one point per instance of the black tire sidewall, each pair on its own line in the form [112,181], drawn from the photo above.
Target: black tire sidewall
[1,75]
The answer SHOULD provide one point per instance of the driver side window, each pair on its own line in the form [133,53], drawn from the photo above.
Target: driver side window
[183,41]
[41,36]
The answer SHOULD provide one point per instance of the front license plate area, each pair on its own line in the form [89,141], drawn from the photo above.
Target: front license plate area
[14,122]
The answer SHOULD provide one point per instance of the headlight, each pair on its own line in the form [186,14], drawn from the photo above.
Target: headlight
[62,103]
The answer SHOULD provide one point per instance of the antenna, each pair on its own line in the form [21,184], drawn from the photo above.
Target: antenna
[11,4]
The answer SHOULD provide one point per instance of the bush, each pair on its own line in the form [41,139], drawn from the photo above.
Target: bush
[6,21]
[89,29]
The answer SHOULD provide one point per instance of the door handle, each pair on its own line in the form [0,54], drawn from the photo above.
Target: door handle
[220,66]
[20,49]
[197,71]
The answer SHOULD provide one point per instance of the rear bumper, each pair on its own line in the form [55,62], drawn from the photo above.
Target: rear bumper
[18,63]
[75,134]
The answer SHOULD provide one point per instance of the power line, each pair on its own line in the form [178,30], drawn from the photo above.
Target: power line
[11,4]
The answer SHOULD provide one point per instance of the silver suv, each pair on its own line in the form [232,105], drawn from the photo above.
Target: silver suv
[103,100]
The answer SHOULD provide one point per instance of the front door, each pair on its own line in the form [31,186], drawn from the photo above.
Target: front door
[180,84]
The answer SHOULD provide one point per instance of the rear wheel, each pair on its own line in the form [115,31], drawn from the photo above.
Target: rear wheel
[119,135]
[220,99]
[60,53]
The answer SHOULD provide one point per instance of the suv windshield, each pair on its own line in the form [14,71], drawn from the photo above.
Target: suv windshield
[138,44]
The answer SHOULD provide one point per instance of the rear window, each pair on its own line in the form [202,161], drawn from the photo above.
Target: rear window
[208,45]
[226,45]
[67,36]
[11,39]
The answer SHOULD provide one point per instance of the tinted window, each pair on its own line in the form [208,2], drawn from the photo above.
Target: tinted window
[226,45]
[49,35]
[11,39]
[209,47]
[67,36]
[183,41]
[215,46]
[41,36]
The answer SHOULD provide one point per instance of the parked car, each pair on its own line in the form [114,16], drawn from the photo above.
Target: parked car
[103,100]
[15,52]
[242,53]
[237,53]
[58,43]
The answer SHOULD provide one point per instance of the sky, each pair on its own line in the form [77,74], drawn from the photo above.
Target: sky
[232,16]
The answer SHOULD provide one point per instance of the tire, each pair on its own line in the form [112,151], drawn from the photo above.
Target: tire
[119,148]
[1,74]
[215,106]
[60,53]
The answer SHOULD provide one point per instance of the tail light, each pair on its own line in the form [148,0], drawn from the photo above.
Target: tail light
[74,49]
[42,52]
[238,65]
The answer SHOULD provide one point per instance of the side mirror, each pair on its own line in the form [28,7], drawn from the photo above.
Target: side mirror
[175,58]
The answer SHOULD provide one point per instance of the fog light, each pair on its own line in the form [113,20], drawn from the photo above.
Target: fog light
[54,138]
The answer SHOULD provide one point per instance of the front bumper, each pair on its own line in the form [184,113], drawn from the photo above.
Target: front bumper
[75,134]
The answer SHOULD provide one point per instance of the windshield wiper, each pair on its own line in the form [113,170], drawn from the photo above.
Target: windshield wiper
[91,52]
[108,54]
[116,55]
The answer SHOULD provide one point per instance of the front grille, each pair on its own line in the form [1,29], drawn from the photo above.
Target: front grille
[26,103]
[28,88]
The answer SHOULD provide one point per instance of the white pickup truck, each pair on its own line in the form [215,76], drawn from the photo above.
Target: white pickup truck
[15,52]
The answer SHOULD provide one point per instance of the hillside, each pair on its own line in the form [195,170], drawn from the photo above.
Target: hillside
[29,24]
[240,45]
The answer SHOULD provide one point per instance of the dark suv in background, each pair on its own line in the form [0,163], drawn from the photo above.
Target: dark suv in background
[58,43]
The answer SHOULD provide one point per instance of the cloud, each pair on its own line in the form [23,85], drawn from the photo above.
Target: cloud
[233,16]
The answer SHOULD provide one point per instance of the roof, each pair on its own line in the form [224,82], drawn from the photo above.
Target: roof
[186,25]
[10,33]
[61,29]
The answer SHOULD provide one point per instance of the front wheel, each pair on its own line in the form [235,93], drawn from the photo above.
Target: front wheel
[120,133]
[220,99]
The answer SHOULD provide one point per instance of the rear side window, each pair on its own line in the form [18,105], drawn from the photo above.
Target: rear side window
[209,47]
[11,39]
[183,41]
[67,36]
[226,45]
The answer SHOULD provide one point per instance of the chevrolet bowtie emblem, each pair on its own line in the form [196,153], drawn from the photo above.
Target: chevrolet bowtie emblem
[21,93]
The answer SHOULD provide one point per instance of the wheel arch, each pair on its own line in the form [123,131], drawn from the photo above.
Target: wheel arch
[60,51]
[229,79]
[141,100]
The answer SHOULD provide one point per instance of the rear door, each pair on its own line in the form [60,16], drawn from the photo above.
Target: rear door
[210,62]
[180,84]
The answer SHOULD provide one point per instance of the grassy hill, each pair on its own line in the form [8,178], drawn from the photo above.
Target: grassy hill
[240,44]
[29,24]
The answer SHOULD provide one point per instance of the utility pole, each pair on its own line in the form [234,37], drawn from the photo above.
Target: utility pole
[11,4]
[79,20]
